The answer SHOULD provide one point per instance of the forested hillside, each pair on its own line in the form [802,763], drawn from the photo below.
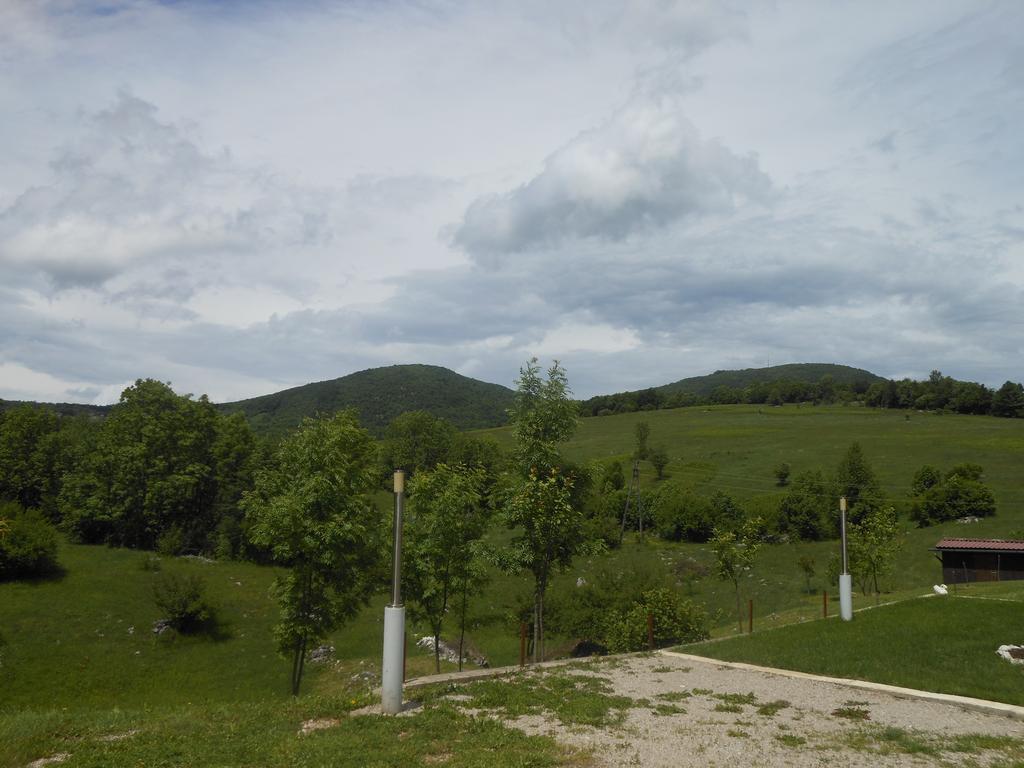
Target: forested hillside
[379,395]
[818,383]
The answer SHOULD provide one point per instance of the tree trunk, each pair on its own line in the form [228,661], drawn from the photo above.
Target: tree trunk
[462,622]
[437,650]
[543,649]
[537,624]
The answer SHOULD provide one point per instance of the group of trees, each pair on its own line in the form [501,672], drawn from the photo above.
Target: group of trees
[936,393]
[939,393]
[167,471]
[777,392]
[958,493]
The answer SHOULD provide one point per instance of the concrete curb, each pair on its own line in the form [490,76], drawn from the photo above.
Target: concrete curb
[483,674]
[965,702]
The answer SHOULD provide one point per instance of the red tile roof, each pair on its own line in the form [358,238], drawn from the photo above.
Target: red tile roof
[985,545]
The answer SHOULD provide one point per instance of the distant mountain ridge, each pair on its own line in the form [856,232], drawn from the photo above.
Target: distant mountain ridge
[792,382]
[809,373]
[379,395]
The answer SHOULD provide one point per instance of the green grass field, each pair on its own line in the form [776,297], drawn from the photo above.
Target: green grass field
[81,663]
[735,449]
[935,644]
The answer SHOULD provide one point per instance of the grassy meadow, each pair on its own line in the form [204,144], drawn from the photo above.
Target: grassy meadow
[81,662]
[943,644]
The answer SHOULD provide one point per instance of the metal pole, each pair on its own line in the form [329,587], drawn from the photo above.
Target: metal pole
[842,531]
[750,621]
[393,666]
[650,631]
[396,559]
[845,579]
[824,604]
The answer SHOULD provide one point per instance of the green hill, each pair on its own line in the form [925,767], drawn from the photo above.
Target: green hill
[809,373]
[63,409]
[379,395]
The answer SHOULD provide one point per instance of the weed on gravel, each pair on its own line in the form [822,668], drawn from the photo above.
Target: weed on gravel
[772,708]
[572,699]
[1003,751]
[851,713]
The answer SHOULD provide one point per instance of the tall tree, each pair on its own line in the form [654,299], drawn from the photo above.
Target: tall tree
[855,479]
[152,470]
[1009,400]
[543,415]
[537,498]
[643,432]
[312,513]
[447,519]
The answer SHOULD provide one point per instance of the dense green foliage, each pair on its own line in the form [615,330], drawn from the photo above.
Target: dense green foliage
[673,620]
[793,383]
[537,495]
[419,440]
[310,510]
[28,543]
[959,493]
[442,554]
[378,395]
[160,465]
[37,449]
[818,384]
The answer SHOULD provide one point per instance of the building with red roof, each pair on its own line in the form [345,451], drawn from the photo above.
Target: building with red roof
[967,560]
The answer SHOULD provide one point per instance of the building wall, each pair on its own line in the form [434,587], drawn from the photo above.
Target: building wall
[970,567]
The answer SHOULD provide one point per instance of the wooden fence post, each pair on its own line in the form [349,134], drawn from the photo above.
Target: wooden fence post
[650,631]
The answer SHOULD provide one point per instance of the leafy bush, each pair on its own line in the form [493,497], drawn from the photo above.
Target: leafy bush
[955,498]
[682,515]
[28,545]
[610,612]
[781,472]
[675,621]
[183,601]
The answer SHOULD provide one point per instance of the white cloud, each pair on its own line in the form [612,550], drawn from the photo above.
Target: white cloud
[649,190]
[643,169]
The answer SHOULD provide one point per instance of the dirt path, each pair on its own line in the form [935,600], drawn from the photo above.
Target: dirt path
[806,722]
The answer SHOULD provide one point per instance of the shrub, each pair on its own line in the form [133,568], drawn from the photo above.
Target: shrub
[954,498]
[28,546]
[183,601]
[682,515]
[782,474]
[675,621]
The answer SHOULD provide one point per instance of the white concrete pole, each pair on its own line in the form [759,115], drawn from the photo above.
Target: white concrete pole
[845,579]
[393,666]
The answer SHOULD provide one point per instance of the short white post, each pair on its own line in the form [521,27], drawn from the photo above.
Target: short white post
[393,666]
[845,579]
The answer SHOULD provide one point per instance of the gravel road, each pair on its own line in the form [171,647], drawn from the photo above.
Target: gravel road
[821,723]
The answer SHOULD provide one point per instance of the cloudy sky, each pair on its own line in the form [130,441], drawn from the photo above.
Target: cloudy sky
[241,196]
